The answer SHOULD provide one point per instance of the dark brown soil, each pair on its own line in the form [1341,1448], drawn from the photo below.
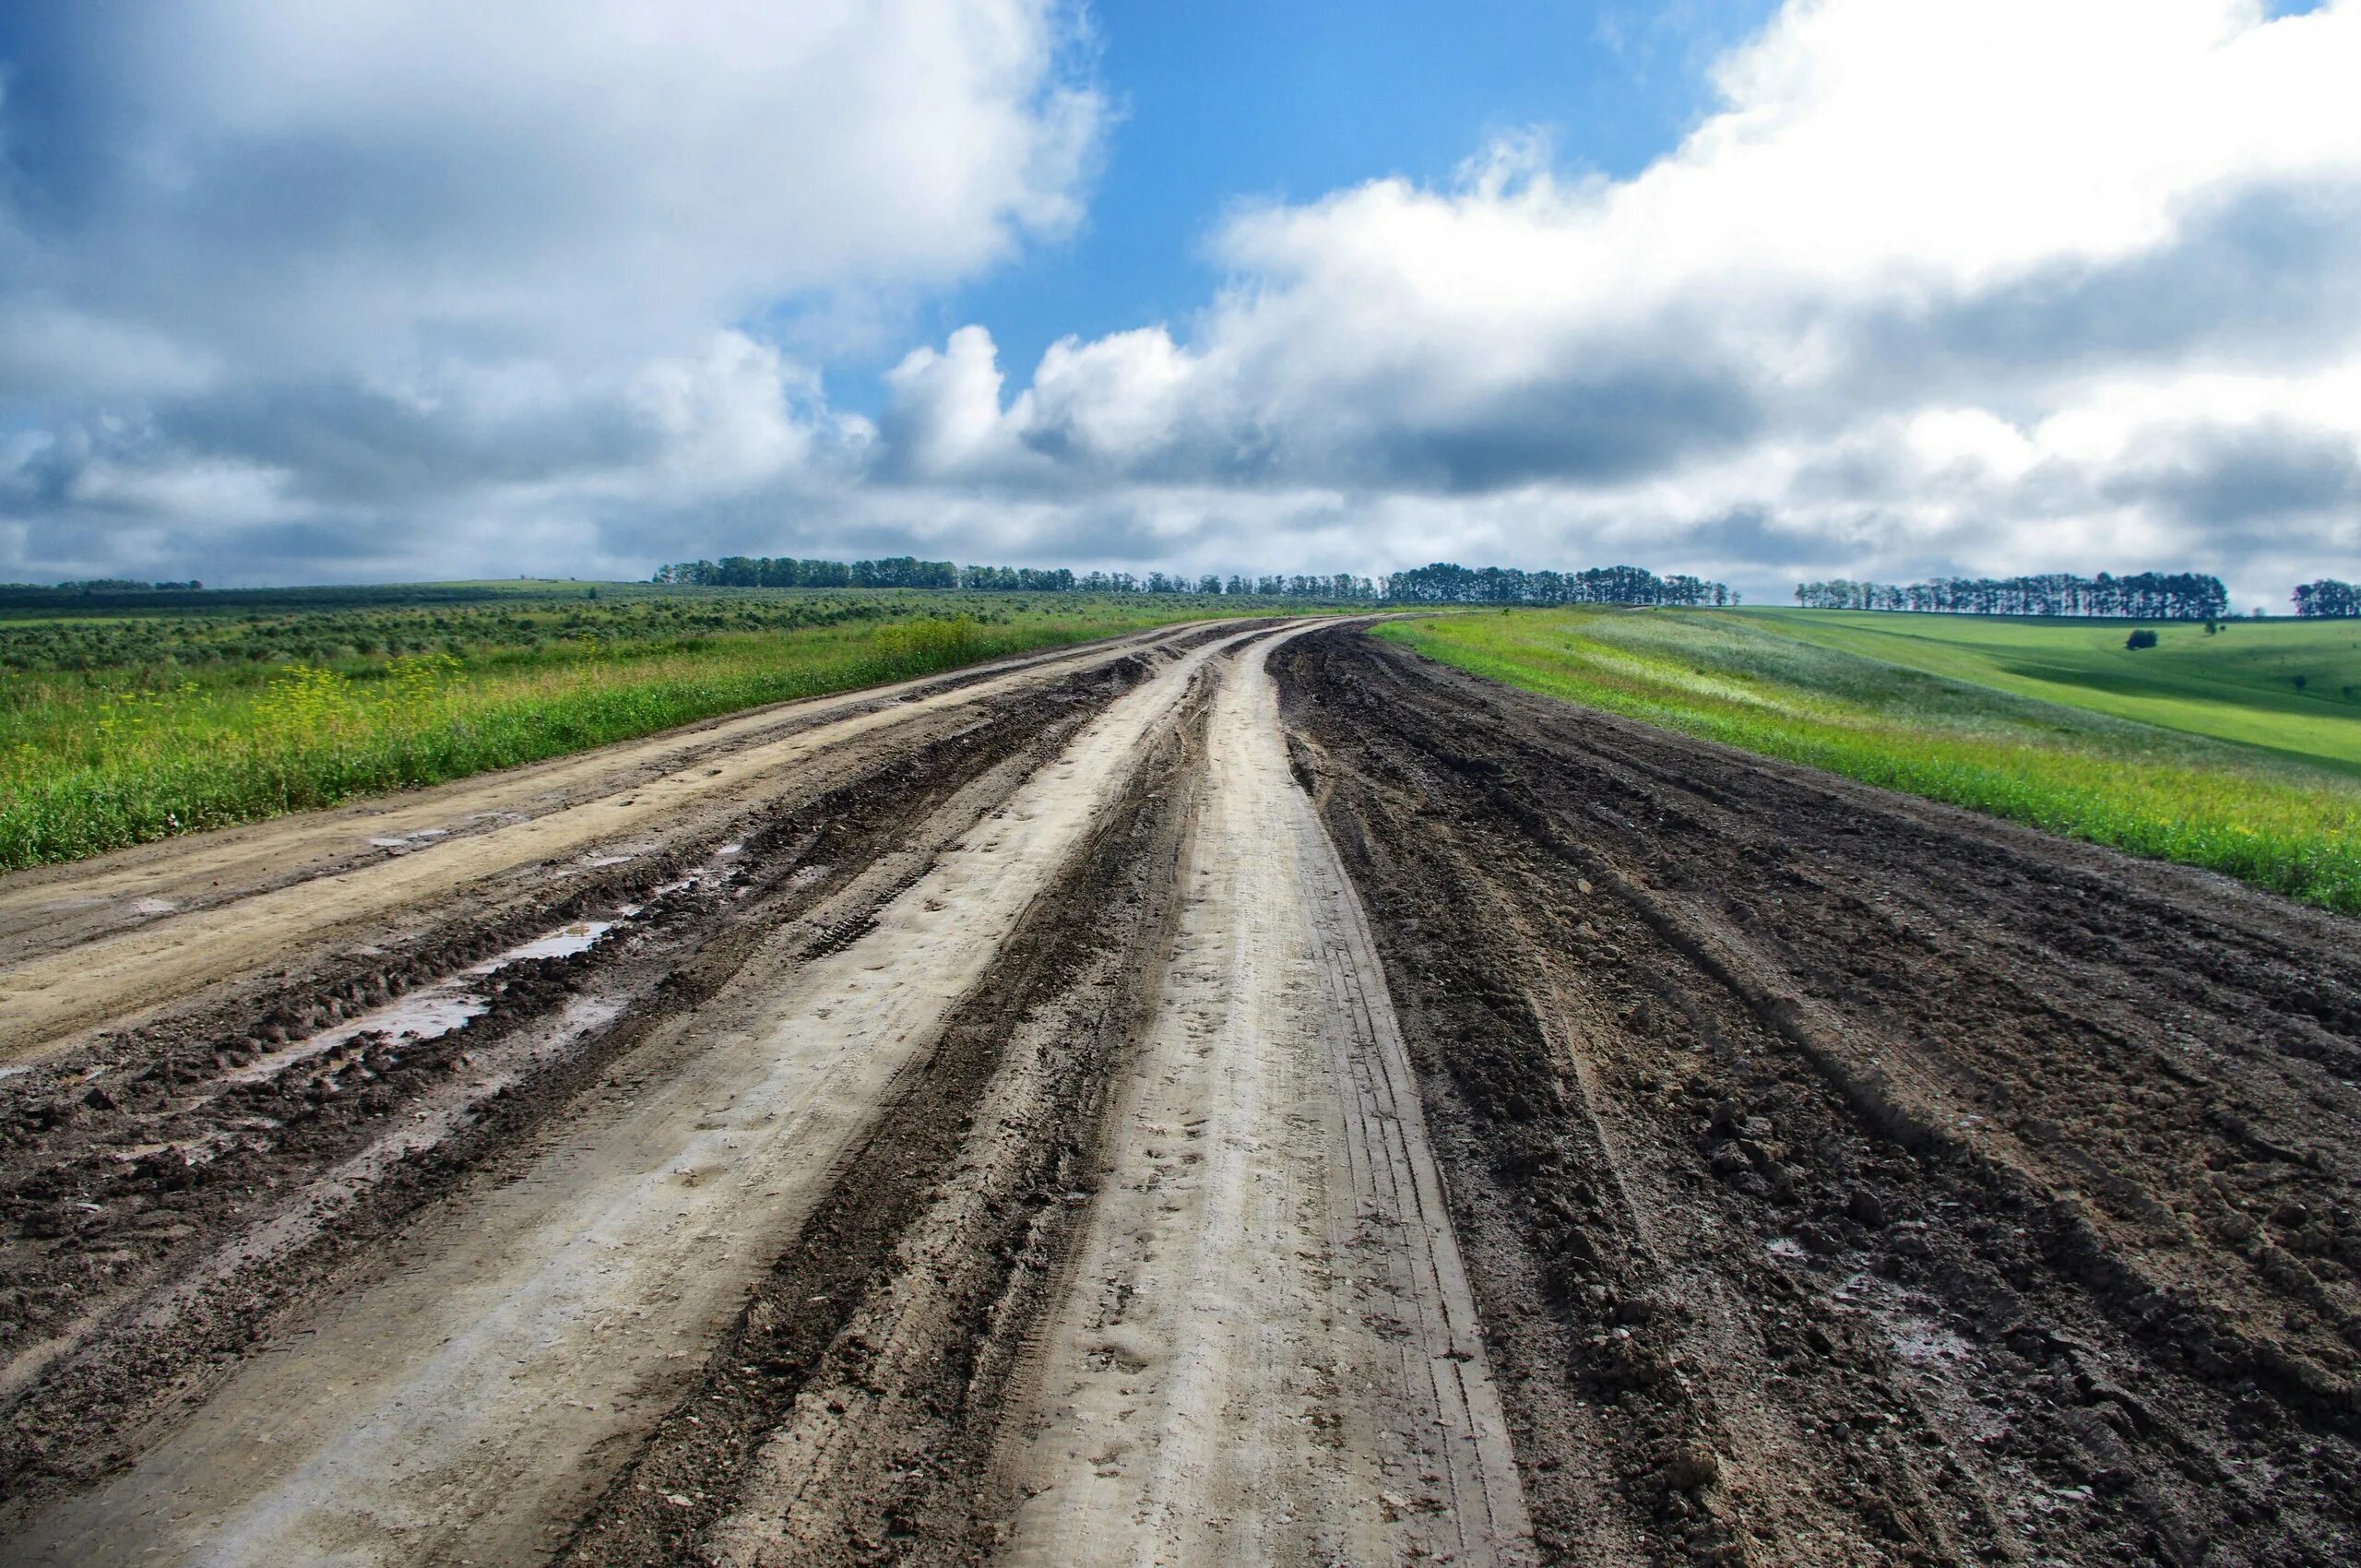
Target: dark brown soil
[1847,1178]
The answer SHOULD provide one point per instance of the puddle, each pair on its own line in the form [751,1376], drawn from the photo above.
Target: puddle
[563,943]
[1925,1344]
[153,907]
[707,872]
[411,840]
[428,1013]
[423,1015]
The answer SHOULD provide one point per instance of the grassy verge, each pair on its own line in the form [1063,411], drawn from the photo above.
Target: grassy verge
[116,736]
[2277,818]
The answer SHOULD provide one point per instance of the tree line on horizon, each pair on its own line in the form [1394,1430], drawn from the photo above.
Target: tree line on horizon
[2328,597]
[1440,583]
[2141,596]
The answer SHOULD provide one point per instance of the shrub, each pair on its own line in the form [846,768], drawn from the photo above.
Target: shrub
[2143,637]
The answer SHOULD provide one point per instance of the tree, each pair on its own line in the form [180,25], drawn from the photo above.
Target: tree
[2147,596]
[2328,597]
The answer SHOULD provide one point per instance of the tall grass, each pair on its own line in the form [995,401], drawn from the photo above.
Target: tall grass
[2155,792]
[92,761]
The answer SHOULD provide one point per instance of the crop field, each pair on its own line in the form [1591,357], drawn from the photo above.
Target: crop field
[126,725]
[2159,752]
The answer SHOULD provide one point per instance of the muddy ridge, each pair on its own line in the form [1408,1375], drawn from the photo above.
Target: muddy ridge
[892,1322]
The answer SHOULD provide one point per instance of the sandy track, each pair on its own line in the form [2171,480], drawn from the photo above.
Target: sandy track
[463,1406]
[1270,1354]
[105,944]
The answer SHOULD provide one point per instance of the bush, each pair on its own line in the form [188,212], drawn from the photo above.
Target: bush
[2143,637]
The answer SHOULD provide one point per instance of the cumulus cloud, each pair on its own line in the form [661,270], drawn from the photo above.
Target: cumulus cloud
[1992,286]
[415,263]
[1869,315]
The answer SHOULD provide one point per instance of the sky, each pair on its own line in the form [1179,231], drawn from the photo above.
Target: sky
[398,289]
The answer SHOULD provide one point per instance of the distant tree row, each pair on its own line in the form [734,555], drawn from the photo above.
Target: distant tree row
[1443,583]
[765,571]
[1440,583]
[2145,596]
[105,584]
[2328,597]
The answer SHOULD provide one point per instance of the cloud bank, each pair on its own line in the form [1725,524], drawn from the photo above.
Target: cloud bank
[1946,287]
[383,287]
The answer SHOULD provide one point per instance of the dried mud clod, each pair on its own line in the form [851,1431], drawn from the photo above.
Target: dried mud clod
[1863,1180]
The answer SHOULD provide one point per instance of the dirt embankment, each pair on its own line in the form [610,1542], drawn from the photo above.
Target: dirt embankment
[1848,1178]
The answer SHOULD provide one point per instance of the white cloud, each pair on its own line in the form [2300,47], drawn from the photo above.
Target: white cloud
[1877,304]
[944,421]
[413,259]
[1952,285]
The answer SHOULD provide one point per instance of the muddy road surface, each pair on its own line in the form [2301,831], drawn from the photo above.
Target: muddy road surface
[1233,1094]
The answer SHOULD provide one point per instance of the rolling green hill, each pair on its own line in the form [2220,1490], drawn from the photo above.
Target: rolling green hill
[2290,687]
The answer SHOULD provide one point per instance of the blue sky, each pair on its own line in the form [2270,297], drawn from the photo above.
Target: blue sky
[1226,103]
[404,288]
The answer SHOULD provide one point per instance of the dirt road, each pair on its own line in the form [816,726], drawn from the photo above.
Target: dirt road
[1269,1352]
[1234,1094]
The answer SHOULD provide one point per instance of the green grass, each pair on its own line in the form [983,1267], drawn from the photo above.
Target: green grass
[2073,750]
[2290,687]
[119,729]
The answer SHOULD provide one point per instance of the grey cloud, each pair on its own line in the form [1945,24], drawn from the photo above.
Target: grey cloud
[2261,277]
[1583,428]
[349,445]
[2270,478]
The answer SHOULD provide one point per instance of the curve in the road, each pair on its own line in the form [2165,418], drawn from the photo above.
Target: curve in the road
[294,879]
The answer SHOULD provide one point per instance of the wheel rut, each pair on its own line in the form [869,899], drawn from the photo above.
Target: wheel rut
[1270,1352]
[463,1403]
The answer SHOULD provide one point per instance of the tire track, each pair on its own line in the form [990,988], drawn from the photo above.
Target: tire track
[345,1144]
[1815,1146]
[472,1401]
[1270,1353]
[545,814]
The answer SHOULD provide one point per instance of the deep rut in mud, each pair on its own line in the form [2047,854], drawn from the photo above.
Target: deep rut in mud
[1240,1094]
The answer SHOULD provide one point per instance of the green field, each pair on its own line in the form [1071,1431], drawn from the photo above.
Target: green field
[2202,750]
[2290,687]
[121,726]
